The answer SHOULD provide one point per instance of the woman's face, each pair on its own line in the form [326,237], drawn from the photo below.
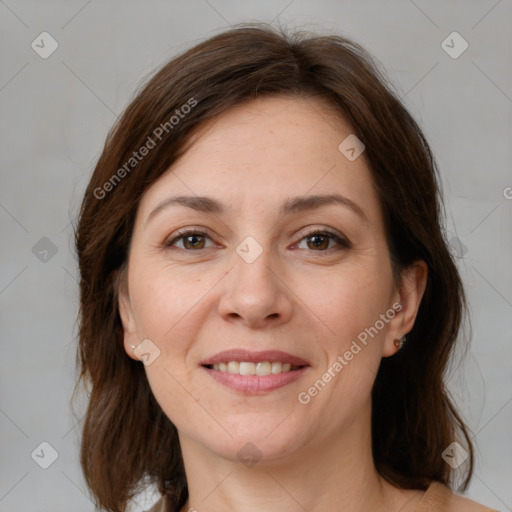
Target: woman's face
[277,244]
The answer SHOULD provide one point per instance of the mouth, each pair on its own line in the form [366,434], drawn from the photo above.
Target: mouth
[262,368]
[254,372]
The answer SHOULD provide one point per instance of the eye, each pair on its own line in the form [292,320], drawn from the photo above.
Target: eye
[193,239]
[319,241]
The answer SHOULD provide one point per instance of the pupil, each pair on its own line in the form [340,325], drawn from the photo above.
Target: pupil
[194,239]
[318,240]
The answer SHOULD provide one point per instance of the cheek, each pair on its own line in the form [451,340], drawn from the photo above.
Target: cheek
[347,301]
[179,402]
[166,311]
[349,306]
[163,300]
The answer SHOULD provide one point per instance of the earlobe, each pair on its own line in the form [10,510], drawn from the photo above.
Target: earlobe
[413,284]
[127,318]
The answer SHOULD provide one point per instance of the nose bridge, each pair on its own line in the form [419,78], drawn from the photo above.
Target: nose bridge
[253,269]
[255,292]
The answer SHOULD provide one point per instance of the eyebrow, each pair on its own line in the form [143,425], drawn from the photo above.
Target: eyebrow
[293,205]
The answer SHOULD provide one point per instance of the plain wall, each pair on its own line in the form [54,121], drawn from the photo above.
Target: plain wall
[56,112]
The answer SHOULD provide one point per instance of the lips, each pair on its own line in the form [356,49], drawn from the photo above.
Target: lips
[250,356]
[233,369]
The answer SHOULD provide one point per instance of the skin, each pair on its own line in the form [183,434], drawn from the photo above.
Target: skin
[198,297]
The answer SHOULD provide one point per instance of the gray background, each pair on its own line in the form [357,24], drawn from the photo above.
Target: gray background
[56,112]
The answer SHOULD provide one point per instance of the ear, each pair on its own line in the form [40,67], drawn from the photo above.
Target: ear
[409,295]
[125,307]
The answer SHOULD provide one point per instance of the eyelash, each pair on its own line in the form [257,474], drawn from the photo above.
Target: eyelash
[329,234]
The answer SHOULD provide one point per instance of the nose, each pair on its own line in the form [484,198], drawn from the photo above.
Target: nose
[256,294]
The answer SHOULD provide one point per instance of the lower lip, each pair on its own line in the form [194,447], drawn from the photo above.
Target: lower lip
[255,384]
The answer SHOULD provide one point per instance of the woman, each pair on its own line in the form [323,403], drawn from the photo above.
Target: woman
[268,303]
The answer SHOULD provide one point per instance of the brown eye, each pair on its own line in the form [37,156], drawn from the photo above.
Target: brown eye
[192,240]
[319,241]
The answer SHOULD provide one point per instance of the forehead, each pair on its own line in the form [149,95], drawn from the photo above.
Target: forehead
[257,153]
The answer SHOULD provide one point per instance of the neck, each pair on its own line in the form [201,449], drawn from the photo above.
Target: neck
[336,473]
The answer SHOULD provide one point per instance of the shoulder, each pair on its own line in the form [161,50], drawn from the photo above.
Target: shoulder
[159,506]
[164,505]
[462,504]
[439,498]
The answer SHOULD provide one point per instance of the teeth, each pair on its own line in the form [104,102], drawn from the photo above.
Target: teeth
[246,368]
[233,367]
[263,368]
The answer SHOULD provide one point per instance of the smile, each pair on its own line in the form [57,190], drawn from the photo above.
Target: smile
[254,373]
[261,369]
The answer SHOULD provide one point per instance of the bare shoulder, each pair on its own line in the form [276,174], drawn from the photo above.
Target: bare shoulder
[459,503]
[437,498]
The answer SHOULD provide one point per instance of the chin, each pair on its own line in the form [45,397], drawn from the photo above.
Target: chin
[252,438]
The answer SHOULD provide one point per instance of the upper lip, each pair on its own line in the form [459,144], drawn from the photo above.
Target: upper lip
[254,357]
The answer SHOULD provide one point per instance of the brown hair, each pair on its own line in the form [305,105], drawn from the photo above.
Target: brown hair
[127,439]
